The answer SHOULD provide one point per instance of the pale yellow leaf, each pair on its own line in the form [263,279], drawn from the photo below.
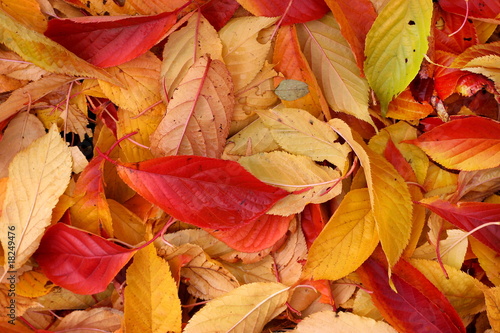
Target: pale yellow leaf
[45,53]
[334,65]
[63,299]
[299,132]
[211,245]
[21,132]
[399,132]
[183,49]
[206,278]
[79,160]
[294,173]
[26,12]
[38,176]
[363,306]
[390,199]
[199,114]
[260,271]
[452,253]
[492,296]
[464,292]
[140,78]
[24,96]
[75,121]
[347,240]
[151,301]
[243,52]
[244,310]
[106,319]
[396,45]
[345,322]
[254,138]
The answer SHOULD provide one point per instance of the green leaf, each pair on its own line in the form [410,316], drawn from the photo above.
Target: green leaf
[290,90]
[395,47]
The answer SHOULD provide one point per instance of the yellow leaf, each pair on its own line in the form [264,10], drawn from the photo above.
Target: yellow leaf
[254,138]
[183,49]
[298,132]
[463,291]
[38,176]
[334,65]
[26,12]
[33,284]
[211,245]
[488,259]
[395,47]
[63,299]
[260,271]
[294,173]
[199,114]
[22,130]
[345,322]
[206,278]
[390,199]
[244,310]
[399,132]
[452,253]
[488,66]
[492,296]
[151,301]
[347,240]
[31,92]
[127,226]
[45,53]
[242,51]
[105,319]
[140,79]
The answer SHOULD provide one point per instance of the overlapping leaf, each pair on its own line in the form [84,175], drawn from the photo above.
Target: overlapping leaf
[205,192]
[346,322]
[395,47]
[79,261]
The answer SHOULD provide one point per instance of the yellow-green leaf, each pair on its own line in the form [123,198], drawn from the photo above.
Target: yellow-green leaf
[389,195]
[334,65]
[151,301]
[38,176]
[298,132]
[244,310]
[347,240]
[395,47]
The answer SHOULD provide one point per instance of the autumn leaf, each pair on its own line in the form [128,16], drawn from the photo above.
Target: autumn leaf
[98,318]
[464,144]
[245,309]
[151,301]
[326,321]
[79,261]
[395,47]
[109,41]
[38,176]
[202,191]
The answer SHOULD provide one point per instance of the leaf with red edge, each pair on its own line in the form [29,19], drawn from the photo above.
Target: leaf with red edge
[348,13]
[470,215]
[219,12]
[257,235]
[480,9]
[107,41]
[405,107]
[79,261]
[465,144]
[416,305]
[292,11]
[206,192]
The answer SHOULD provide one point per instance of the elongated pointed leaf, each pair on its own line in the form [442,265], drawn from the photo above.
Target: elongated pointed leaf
[347,240]
[79,261]
[107,41]
[206,192]
[416,305]
[470,215]
[38,176]
[244,310]
[199,114]
[395,47]
[465,144]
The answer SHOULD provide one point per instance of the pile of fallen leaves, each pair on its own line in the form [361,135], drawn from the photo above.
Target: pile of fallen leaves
[249,165]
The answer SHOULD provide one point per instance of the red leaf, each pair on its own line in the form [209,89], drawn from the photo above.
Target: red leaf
[417,306]
[79,261]
[257,235]
[463,37]
[430,123]
[394,156]
[469,215]
[294,11]
[206,192]
[107,41]
[312,222]
[219,12]
[477,8]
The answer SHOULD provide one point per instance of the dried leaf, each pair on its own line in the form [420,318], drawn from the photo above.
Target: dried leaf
[328,321]
[38,176]
[85,321]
